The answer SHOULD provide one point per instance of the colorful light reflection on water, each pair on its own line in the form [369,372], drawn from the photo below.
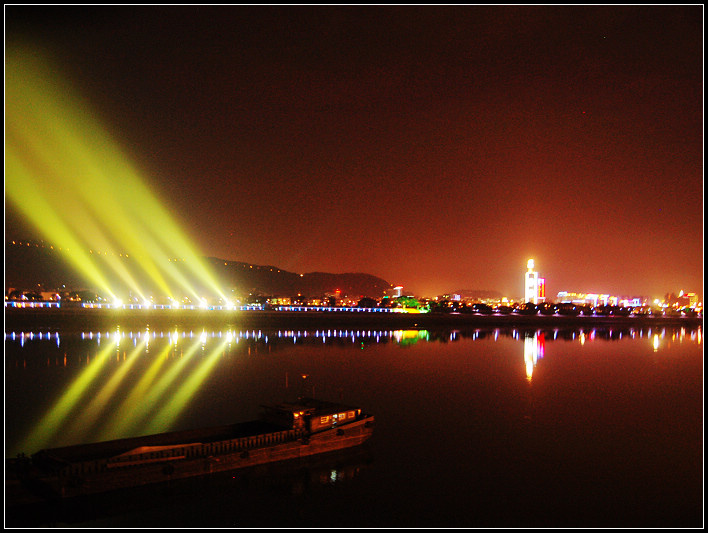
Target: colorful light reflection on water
[139,382]
[594,420]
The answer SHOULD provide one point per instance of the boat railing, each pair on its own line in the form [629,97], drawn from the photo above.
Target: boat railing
[146,455]
[181,451]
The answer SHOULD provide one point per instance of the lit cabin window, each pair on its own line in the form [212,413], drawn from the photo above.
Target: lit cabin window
[324,419]
[342,416]
[350,414]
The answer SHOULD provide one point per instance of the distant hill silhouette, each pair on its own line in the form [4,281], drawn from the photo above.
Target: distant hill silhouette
[28,267]
[270,280]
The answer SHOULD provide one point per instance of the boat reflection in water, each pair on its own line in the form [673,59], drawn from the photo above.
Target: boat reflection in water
[251,493]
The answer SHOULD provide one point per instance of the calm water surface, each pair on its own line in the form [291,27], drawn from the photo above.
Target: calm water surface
[478,428]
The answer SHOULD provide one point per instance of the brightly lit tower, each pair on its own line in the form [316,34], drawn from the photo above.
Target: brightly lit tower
[531,284]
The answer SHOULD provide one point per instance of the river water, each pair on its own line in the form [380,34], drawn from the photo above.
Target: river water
[478,427]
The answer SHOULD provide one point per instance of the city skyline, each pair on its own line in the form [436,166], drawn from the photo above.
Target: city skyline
[433,147]
[538,286]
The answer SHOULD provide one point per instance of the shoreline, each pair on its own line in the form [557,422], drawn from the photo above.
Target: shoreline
[92,319]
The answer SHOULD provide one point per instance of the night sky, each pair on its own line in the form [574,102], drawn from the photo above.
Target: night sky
[436,147]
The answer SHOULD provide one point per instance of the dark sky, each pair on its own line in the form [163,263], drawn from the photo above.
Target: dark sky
[436,147]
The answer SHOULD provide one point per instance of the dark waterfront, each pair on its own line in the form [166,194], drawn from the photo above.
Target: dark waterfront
[530,424]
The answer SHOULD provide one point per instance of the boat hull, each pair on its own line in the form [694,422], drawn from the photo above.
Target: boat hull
[203,459]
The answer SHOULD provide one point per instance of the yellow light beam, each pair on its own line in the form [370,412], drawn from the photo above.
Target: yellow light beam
[20,187]
[41,180]
[65,167]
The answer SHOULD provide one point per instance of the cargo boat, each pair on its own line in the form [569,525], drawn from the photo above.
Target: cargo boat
[284,431]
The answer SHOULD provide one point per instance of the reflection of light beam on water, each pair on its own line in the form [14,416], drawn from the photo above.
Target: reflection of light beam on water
[179,400]
[159,388]
[72,182]
[138,404]
[51,423]
[93,410]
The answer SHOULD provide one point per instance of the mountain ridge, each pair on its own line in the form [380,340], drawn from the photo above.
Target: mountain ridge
[36,266]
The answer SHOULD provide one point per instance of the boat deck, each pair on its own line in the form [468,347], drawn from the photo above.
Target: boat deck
[113,448]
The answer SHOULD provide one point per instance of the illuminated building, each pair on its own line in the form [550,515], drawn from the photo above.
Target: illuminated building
[596,300]
[684,299]
[534,287]
[577,298]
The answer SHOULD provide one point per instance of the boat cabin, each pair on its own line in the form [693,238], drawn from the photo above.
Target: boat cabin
[309,414]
